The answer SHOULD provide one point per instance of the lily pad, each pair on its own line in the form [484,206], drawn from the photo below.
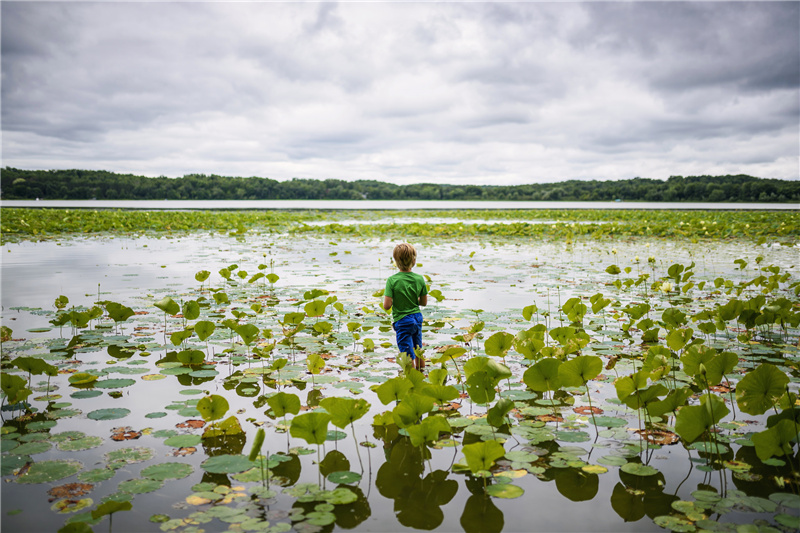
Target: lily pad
[167,471]
[182,441]
[638,469]
[32,448]
[76,445]
[505,491]
[71,505]
[97,475]
[140,486]
[49,471]
[344,476]
[129,455]
[114,383]
[226,464]
[109,414]
[82,394]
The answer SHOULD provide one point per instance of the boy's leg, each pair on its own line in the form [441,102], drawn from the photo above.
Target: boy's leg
[417,335]
[417,330]
[404,329]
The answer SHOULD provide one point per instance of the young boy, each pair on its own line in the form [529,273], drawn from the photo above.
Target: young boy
[404,294]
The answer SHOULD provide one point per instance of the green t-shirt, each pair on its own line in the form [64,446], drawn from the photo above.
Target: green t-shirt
[405,288]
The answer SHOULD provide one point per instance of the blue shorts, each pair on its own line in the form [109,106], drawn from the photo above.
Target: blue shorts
[409,333]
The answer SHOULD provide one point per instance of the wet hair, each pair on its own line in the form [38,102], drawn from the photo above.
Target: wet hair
[405,256]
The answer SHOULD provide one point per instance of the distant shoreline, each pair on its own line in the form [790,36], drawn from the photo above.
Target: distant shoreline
[388,205]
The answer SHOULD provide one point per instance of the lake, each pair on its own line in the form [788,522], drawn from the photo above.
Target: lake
[133,427]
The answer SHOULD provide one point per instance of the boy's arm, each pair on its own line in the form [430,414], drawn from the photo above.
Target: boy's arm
[423,300]
[387,302]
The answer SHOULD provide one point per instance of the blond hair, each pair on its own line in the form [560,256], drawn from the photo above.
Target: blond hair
[405,256]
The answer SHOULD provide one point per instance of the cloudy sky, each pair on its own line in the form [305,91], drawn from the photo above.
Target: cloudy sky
[484,93]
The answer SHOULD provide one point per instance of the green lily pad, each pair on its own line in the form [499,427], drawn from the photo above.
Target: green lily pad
[8,445]
[505,491]
[226,464]
[11,463]
[49,471]
[610,421]
[706,496]
[167,471]
[786,499]
[320,518]
[82,394]
[572,436]
[42,424]
[109,414]
[130,455]
[790,521]
[140,486]
[114,383]
[32,448]
[335,434]
[97,475]
[157,414]
[204,373]
[638,469]
[344,476]
[183,441]
[612,460]
[341,496]
[673,523]
[76,445]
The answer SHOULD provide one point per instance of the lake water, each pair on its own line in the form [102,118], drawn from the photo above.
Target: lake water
[385,204]
[400,490]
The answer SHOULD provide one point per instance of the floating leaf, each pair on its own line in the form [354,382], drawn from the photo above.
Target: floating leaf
[504,491]
[344,476]
[182,441]
[49,471]
[226,464]
[638,469]
[167,471]
[109,414]
[114,383]
[140,486]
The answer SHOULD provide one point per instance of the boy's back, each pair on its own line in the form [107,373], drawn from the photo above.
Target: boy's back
[405,289]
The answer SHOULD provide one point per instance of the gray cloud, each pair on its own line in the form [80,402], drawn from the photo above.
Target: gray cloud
[456,93]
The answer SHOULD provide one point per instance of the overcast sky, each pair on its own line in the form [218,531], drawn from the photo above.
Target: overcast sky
[484,93]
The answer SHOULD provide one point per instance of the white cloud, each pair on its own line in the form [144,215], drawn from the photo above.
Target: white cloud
[452,93]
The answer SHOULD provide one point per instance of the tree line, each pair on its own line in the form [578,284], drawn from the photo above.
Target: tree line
[16,184]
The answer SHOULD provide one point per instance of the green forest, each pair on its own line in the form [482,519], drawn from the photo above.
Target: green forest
[102,185]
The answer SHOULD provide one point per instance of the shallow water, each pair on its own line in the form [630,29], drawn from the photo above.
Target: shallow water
[491,281]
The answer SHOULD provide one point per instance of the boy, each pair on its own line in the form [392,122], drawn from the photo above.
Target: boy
[404,294]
